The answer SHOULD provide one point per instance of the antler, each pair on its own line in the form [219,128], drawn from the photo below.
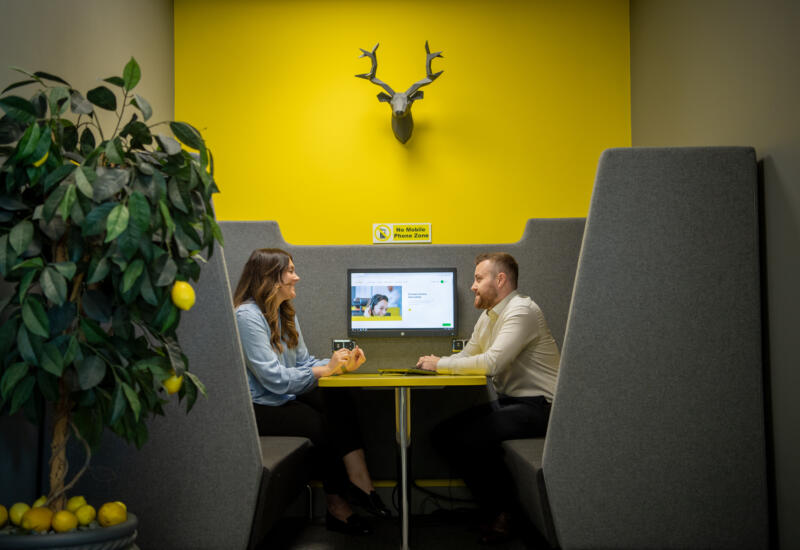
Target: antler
[431,76]
[371,74]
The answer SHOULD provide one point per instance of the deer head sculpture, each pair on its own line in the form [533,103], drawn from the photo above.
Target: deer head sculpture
[402,122]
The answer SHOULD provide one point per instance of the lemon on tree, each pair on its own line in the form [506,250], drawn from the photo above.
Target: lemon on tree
[111,513]
[75,502]
[37,519]
[182,295]
[3,515]
[64,521]
[86,514]
[173,383]
[16,512]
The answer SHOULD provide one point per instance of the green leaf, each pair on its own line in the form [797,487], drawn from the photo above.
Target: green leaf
[187,135]
[67,269]
[65,206]
[174,193]
[93,332]
[103,98]
[13,374]
[54,285]
[95,221]
[25,346]
[91,371]
[8,334]
[48,76]
[139,132]
[57,98]
[79,105]
[131,74]
[52,202]
[18,108]
[108,183]
[98,270]
[97,305]
[36,263]
[52,361]
[197,382]
[146,290]
[22,393]
[215,229]
[35,317]
[133,400]
[83,183]
[73,350]
[114,152]
[87,141]
[175,355]
[57,175]
[117,405]
[17,85]
[141,103]
[168,144]
[25,283]
[116,222]
[115,80]
[21,236]
[140,211]
[60,317]
[166,268]
[168,223]
[11,203]
[132,274]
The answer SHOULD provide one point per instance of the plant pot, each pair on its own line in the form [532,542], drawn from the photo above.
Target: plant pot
[116,537]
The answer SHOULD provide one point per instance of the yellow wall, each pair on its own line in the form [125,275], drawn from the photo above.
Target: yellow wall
[531,93]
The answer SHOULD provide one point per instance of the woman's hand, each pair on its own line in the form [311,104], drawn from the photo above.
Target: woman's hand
[338,361]
[357,358]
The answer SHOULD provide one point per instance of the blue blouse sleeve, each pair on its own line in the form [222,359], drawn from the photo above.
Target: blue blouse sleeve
[264,363]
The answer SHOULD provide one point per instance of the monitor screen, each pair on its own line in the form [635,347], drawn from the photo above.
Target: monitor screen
[402,302]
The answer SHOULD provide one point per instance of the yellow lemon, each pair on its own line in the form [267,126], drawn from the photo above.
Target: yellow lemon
[42,160]
[111,513]
[182,295]
[3,515]
[173,383]
[16,512]
[75,502]
[64,521]
[37,519]
[122,504]
[39,502]
[86,514]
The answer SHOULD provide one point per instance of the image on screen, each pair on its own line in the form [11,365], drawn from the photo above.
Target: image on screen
[401,302]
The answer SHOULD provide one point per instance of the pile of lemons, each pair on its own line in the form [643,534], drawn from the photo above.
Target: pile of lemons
[40,519]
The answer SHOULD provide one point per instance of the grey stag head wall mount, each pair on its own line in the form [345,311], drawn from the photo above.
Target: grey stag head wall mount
[402,122]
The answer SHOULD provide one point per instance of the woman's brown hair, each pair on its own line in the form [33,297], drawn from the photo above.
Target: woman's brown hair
[260,281]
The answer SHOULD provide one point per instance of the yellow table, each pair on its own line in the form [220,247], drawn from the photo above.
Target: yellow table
[402,384]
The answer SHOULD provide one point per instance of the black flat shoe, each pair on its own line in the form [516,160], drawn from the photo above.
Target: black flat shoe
[355,525]
[371,503]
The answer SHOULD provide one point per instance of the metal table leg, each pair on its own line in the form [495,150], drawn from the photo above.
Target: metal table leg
[402,397]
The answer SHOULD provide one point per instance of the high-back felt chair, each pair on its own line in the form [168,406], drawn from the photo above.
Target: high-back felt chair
[656,438]
[204,480]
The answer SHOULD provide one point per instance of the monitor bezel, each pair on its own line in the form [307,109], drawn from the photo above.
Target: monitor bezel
[450,332]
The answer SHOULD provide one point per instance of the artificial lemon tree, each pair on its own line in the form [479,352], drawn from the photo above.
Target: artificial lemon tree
[96,228]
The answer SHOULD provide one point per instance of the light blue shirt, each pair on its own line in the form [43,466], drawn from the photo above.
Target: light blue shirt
[274,378]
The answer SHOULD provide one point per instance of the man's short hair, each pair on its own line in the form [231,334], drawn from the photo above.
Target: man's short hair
[503,262]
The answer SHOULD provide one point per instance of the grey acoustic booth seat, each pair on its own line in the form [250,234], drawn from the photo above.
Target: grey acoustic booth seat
[656,438]
[205,480]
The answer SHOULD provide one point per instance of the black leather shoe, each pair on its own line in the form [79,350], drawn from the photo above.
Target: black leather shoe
[371,503]
[355,525]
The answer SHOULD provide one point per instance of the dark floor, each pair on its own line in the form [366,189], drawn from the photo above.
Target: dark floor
[444,529]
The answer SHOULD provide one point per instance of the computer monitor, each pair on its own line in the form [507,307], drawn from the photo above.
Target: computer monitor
[402,301]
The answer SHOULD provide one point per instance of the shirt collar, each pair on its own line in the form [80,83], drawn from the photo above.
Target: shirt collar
[497,310]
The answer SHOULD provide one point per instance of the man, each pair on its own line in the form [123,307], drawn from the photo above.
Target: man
[512,345]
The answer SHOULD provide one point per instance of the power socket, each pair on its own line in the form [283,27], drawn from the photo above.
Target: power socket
[345,343]
[457,345]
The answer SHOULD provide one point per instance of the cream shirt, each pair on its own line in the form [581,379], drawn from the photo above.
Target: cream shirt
[512,344]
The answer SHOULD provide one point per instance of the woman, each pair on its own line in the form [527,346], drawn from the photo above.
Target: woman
[377,306]
[283,385]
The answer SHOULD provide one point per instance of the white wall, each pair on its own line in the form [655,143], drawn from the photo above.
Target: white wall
[726,72]
[82,41]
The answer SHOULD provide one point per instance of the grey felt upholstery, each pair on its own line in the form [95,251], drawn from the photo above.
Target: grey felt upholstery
[524,460]
[656,438]
[199,482]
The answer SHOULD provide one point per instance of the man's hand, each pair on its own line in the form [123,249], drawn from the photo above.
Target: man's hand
[428,362]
